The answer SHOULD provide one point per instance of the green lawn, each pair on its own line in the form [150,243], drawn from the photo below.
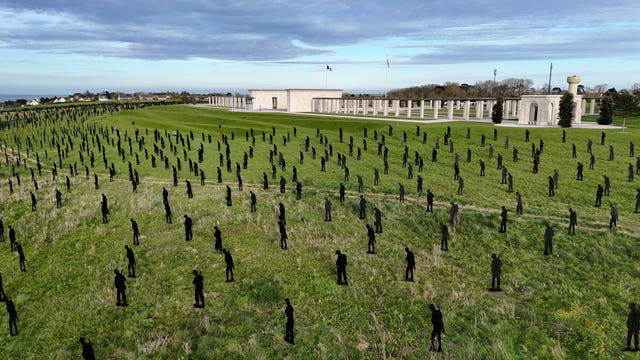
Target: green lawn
[572,304]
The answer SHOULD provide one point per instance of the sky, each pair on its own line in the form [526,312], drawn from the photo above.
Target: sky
[61,47]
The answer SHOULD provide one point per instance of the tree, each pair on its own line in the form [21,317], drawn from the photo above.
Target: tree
[567,108]
[625,104]
[496,112]
[606,111]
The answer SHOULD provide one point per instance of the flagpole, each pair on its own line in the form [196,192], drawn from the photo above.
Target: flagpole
[326,78]
[386,78]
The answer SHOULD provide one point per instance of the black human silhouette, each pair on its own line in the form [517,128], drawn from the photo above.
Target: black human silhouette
[607,185]
[298,190]
[228,196]
[13,316]
[104,208]
[217,234]
[503,220]
[496,272]
[281,213]
[438,328]
[363,207]
[87,350]
[2,294]
[21,257]
[371,242]
[341,268]
[283,234]
[189,189]
[548,239]
[327,209]
[283,184]
[252,197]
[228,260]
[579,173]
[599,193]
[342,192]
[58,198]
[12,238]
[95,181]
[131,262]
[551,186]
[120,284]
[2,229]
[637,210]
[614,216]
[167,213]
[377,222]
[430,198]
[188,227]
[453,214]
[518,204]
[288,333]
[444,239]
[411,265]
[136,232]
[34,202]
[198,283]
[633,327]
[573,221]
[401,192]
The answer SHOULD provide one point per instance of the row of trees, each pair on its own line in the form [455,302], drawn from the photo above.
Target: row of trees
[505,88]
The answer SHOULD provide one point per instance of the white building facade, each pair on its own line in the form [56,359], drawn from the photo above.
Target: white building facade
[289,100]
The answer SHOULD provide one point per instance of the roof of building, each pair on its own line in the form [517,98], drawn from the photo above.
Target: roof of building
[295,89]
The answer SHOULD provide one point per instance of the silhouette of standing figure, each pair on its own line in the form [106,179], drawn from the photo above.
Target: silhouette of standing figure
[444,241]
[341,268]
[188,233]
[136,232]
[518,204]
[228,260]
[87,350]
[327,209]
[438,328]
[12,238]
[189,190]
[283,234]
[363,207]
[283,184]
[342,191]
[411,265]
[95,181]
[21,257]
[2,294]
[217,234]
[58,198]
[633,326]
[34,202]
[637,210]
[599,193]
[121,287]
[105,209]
[13,316]
[614,216]
[496,272]
[2,228]
[228,197]
[288,333]
[282,213]
[377,222]
[253,201]
[430,198]
[503,220]
[548,240]
[573,221]
[198,282]
[371,243]
[131,262]
[551,186]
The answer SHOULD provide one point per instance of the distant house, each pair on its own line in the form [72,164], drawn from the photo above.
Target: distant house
[33,102]
[84,99]
[156,97]
[60,100]
[103,98]
[125,97]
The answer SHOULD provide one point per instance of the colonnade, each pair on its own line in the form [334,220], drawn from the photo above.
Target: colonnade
[424,108]
[231,102]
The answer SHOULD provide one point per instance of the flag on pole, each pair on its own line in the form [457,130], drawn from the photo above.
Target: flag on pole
[388,63]
[329,68]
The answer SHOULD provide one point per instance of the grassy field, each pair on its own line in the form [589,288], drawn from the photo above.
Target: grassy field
[572,304]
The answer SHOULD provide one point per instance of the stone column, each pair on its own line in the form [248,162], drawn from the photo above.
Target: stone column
[365,107]
[408,108]
[355,107]
[584,106]
[507,109]
[430,104]
[396,105]
[457,105]
[421,109]
[385,108]
[479,109]
[436,109]
[514,111]
[592,108]
[466,109]
[450,109]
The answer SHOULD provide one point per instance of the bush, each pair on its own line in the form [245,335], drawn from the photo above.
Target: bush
[567,108]
[606,111]
[496,112]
